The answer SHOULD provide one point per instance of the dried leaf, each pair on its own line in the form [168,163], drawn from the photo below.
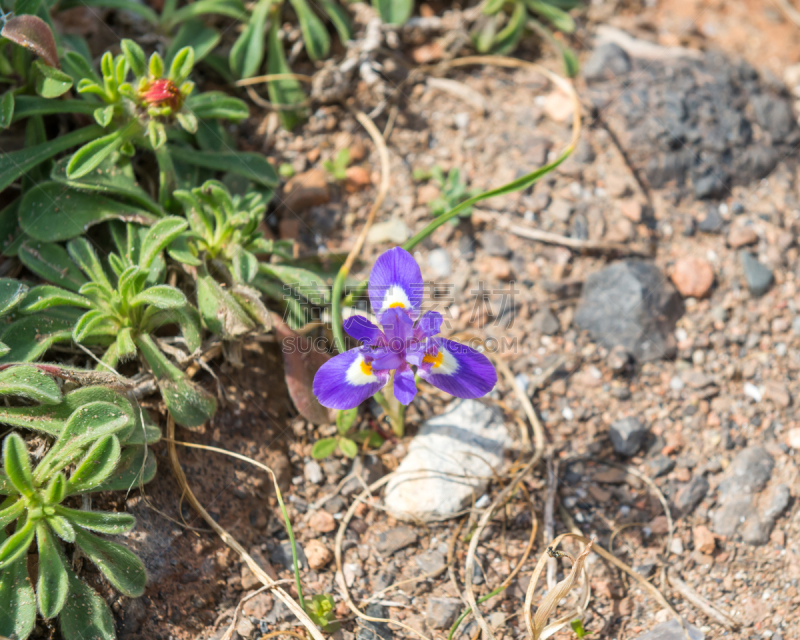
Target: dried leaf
[33,33]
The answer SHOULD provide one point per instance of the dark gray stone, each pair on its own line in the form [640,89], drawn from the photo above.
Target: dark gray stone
[660,465]
[369,468]
[393,540]
[627,436]
[545,322]
[563,288]
[374,630]
[749,472]
[713,221]
[442,611]
[495,244]
[672,630]
[608,61]
[758,277]
[282,555]
[631,304]
[691,494]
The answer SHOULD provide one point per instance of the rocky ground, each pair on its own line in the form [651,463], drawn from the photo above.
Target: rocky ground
[672,348]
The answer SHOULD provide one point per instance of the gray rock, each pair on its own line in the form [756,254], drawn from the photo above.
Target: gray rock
[466,247]
[369,468]
[442,611]
[631,304]
[563,288]
[777,503]
[454,453]
[135,613]
[439,262]
[560,210]
[282,555]
[607,61]
[395,539]
[774,115]
[659,465]
[692,494]
[245,628]
[713,222]
[627,436]
[430,561]
[313,472]
[374,630]
[749,472]
[672,630]
[758,277]
[495,244]
[544,321]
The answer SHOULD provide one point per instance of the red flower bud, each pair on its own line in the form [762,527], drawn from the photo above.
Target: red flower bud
[162,93]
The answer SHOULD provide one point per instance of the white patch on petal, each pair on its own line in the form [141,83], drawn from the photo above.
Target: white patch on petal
[395,297]
[356,374]
[443,363]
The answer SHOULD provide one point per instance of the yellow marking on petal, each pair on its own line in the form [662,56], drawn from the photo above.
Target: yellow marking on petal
[366,368]
[397,304]
[436,360]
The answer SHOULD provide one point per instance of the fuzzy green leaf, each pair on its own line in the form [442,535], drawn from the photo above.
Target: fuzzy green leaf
[56,489]
[245,265]
[284,92]
[94,323]
[12,512]
[560,19]
[134,55]
[122,568]
[340,19]
[324,448]
[221,312]
[46,295]
[215,104]
[195,34]
[102,522]
[84,255]
[247,52]
[348,447]
[12,292]
[97,465]
[17,599]
[345,420]
[53,584]
[91,155]
[509,37]
[29,382]
[62,527]
[309,284]
[162,296]
[30,337]
[17,545]
[394,11]
[159,236]
[50,82]
[7,103]
[51,262]
[85,614]
[133,469]
[126,347]
[253,166]
[17,465]
[250,300]
[181,66]
[315,35]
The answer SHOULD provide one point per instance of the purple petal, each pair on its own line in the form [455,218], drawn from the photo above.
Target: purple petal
[360,328]
[429,325]
[459,370]
[395,281]
[346,380]
[404,386]
[398,327]
[386,358]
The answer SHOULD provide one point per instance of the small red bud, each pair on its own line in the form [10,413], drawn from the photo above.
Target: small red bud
[162,92]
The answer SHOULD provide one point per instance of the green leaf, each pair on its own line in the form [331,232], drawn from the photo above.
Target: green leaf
[50,82]
[15,164]
[195,34]
[133,469]
[394,11]
[51,262]
[215,104]
[30,337]
[220,311]
[159,236]
[119,565]
[6,109]
[79,66]
[307,283]
[161,296]
[17,465]
[103,115]
[53,584]
[126,347]
[97,465]
[28,106]
[484,33]
[181,65]
[490,7]
[340,19]
[11,235]
[324,448]
[507,40]
[94,323]
[231,8]
[62,528]
[45,296]
[142,10]
[189,404]
[571,64]
[283,92]
[102,522]
[245,265]
[345,420]
[247,52]
[84,255]
[252,166]
[12,292]
[17,599]
[56,489]
[250,300]
[181,251]
[372,438]
[315,35]
[29,382]
[17,545]
[91,155]
[134,56]
[561,20]
[188,318]
[12,512]
[85,614]
[348,447]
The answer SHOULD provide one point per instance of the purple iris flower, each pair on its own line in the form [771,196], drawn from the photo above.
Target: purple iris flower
[395,293]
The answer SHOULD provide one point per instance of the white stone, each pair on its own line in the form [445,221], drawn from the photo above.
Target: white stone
[392,230]
[752,391]
[455,454]
[313,472]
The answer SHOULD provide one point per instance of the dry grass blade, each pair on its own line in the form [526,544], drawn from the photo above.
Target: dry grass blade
[701,603]
[537,625]
[237,612]
[227,538]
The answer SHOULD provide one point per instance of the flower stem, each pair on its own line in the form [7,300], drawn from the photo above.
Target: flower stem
[391,405]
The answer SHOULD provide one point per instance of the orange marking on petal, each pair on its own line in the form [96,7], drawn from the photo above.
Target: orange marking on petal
[436,360]
[397,304]
[366,368]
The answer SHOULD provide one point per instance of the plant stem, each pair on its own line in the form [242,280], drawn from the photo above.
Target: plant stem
[166,175]
[394,410]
